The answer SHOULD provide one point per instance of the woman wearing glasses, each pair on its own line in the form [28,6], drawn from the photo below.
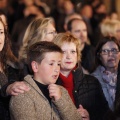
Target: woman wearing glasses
[107,58]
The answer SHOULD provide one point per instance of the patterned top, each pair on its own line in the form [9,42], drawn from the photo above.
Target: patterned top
[3,79]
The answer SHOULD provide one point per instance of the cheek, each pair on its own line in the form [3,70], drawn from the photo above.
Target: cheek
[103,59]
[2,43]
[75,58]
[118,57]
[85,34]
[62,62]
[49,38]
[76,35]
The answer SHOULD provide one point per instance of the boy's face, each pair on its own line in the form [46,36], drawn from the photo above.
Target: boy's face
[48,70]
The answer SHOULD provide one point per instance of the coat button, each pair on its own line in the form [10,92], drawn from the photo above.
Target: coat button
[75,91]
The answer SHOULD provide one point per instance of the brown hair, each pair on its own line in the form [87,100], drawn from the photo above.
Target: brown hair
[6,53]
[37,51]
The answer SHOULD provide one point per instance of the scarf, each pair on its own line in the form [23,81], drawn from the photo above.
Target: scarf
[67,82]
[110,79]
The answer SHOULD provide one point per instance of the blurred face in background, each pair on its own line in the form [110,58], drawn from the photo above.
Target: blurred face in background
[68,7]
[79,30]
[110,55]
[28,2]
[118,32]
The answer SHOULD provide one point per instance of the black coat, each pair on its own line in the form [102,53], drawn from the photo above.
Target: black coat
[88,92]
[12,76]
[117,96]
[88,58]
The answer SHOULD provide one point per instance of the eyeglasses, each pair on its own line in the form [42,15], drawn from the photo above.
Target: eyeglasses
[107,51]
[52,33]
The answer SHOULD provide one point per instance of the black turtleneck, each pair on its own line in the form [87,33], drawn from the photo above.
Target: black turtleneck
[44,89]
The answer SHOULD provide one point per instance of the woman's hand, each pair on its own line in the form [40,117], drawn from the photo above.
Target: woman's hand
[16,88]
[84,113]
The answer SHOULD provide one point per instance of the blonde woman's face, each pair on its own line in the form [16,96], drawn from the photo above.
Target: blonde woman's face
[50,32]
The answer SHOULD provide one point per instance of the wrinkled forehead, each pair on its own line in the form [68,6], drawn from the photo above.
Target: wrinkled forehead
[78,23]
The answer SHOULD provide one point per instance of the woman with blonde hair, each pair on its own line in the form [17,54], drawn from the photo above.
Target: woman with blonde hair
[111,28]
[40,29]
[84,90]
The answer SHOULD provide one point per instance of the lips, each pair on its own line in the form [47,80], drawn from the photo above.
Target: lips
[111,60]
[68,62]
[55,76]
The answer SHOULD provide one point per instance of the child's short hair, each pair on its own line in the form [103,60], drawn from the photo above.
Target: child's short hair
[37,51]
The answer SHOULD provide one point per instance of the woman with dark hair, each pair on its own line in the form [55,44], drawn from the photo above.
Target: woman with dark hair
[9,73]
[107,58]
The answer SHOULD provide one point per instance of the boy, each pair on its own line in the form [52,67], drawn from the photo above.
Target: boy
[45,100]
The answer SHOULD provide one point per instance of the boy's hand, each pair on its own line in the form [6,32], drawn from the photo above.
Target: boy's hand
[16,88]
[54,91]
[84,113]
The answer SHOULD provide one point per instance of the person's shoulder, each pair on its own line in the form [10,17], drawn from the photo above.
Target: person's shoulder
[90,78]
[96,72]
[62,89]
[89,46]
[13,65]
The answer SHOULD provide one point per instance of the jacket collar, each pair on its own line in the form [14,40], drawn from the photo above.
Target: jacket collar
[77,76]
[33,85]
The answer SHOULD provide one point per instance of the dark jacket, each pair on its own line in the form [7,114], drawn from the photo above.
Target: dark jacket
[117,96]
[12,76]
[88,58]
[88,92]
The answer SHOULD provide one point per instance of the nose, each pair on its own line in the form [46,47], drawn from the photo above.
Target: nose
[55,33]
[57,69]
[81,33]
[110,53]
[68,55]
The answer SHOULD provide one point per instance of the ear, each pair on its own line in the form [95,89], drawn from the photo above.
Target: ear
[34,65]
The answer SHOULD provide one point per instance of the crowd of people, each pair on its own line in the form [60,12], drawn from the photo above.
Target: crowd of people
[59,62]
